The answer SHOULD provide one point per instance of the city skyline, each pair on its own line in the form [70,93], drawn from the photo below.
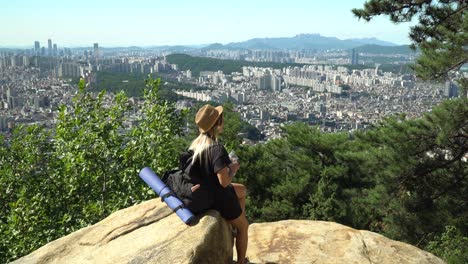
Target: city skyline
[154,23]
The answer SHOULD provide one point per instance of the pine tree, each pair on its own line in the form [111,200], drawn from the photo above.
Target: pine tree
[441,33]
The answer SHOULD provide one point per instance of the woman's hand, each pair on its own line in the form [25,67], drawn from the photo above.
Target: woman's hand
[234,167]
[195,187]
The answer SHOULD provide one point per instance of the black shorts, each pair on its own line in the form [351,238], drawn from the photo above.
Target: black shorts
[227,203]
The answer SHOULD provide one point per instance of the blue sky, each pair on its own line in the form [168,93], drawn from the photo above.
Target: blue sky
[183,22]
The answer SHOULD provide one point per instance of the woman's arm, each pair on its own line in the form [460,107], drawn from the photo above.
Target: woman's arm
[225,174]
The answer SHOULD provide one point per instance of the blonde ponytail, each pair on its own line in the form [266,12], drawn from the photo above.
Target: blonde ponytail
[202,142]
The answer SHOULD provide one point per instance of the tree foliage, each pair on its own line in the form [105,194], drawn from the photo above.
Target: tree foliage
[451,246]
[133,86]
[198,64]
[441,32]
[55,182]
[425,181]
[406,179]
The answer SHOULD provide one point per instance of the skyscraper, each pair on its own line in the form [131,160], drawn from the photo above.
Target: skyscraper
[49,42]
[37,47]
[55,50]
[96,50]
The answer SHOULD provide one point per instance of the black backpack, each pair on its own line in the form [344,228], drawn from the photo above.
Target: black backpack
[178,180]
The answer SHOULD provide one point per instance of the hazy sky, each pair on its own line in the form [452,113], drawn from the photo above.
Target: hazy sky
[183,22]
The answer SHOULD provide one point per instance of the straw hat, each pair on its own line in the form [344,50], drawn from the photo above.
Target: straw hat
[207,116]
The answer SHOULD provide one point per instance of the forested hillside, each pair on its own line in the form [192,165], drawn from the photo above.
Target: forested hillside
[198,64]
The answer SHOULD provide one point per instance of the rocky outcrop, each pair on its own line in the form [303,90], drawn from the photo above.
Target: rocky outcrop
[151,233]
[145,233]
[296,241]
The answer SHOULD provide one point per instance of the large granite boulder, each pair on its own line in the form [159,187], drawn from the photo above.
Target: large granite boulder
[145,233]
[151,233]
[298,241]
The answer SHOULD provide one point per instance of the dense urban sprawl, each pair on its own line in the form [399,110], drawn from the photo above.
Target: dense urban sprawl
[33,84]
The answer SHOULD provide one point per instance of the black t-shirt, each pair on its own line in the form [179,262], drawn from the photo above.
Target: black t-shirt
[212,159]
[203,172]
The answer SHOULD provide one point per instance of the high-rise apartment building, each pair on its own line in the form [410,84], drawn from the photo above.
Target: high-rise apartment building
[276,83]
[354,57]
[264,82]
[11,97]
[26,61]
[96,50]
[37,47]
[49,46]
[451,89]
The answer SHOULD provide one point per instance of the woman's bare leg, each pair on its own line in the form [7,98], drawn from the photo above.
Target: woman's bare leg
[241,192]
[242,237]
[241,224]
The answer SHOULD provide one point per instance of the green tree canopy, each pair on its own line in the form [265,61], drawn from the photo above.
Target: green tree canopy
[54,182]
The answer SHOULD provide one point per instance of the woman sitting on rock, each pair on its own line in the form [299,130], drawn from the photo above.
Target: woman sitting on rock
[212,173]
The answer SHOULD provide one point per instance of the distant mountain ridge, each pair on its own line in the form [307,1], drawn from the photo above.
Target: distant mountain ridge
[306,42]
[373,41]
[298,42]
